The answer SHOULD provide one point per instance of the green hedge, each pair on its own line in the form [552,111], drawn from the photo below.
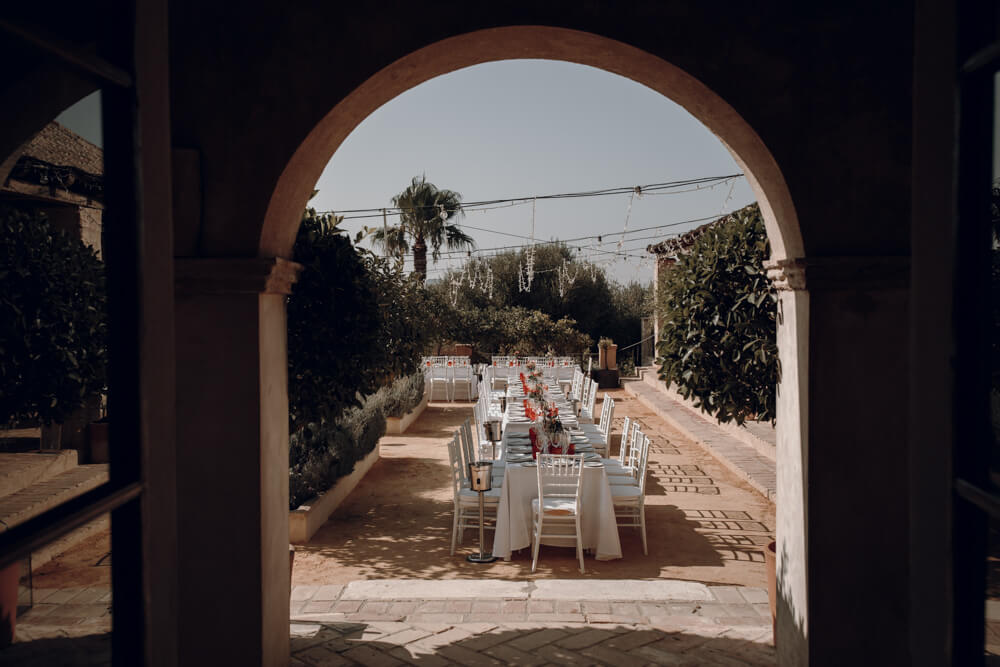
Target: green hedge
[320,454]
[400,397]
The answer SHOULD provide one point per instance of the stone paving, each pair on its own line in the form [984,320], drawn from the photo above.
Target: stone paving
[531,623]
[759,471]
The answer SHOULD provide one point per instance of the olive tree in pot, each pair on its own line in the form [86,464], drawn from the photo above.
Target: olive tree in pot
[53,329]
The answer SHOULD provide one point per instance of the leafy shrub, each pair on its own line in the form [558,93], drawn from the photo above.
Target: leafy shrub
[401,396]
[53,328]
[320,454]
[717,339]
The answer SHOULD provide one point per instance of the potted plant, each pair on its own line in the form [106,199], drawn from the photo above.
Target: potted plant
[608,352]
[52,324]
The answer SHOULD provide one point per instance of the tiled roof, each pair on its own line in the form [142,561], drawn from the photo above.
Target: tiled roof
[59,146]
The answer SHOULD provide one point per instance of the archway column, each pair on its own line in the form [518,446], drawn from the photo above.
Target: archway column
[232,460]
[842,515]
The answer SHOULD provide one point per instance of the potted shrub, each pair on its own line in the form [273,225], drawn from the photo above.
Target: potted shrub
[608,354]
[53,329]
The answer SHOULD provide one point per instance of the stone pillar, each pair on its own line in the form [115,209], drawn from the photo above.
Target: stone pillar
[792,457]
[232,460]
[842,484]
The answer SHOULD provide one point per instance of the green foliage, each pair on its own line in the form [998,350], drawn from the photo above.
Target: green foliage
[596,306]
[333,325]
[53,329]
[718,337]
[605,343]
[321,453]
[424,213]
[401,397]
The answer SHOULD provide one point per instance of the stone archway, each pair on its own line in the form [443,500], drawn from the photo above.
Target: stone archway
[301,173]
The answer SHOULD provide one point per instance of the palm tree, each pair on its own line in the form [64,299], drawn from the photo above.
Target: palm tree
[423,219]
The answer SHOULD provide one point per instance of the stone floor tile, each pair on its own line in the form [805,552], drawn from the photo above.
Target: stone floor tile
[589,637]
[328,592]
[370,656]
[511,656]
[560,655]
[608,655]
[317,607]
[633,639]
[727,594]
[529,642]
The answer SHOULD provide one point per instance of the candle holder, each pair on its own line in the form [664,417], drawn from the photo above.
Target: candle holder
[481,481]
[493,431]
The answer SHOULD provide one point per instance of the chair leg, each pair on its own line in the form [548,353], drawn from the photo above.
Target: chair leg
[642,527]
[454,531]
[536,542]
[579,544]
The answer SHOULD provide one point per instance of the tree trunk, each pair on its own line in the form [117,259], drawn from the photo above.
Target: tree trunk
[420,258]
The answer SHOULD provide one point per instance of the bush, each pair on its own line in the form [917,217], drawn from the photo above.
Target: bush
[53,328]
[717,340]
[401,396]
[320,454]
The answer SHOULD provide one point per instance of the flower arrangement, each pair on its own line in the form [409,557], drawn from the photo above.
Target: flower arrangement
[531,365]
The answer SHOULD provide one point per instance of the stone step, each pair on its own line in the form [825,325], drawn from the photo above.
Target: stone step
[47,493]
[744,460]
[22,469]
[568,600]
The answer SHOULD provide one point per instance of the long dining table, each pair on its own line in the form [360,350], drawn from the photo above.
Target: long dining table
[520,486]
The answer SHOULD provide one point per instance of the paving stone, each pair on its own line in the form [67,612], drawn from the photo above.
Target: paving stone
[328,592]
[529,642]
[586,638]
[754,595]
[511,656]
[368,655]
[303,593]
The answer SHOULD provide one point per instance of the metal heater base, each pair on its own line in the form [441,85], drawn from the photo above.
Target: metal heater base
[481,558]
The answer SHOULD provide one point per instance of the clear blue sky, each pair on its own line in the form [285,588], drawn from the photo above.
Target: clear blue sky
[520,128]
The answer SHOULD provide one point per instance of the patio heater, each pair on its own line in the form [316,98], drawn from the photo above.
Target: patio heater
[481,481]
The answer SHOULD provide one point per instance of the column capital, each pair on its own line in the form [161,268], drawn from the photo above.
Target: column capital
[235,275]
[840,273]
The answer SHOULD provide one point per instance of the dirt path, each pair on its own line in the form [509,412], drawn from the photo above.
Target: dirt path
[703,523]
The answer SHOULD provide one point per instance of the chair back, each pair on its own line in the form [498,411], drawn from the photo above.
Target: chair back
[607,412]
[591,398]
[623,445]
[559,476]
[466,446]
[643,462]
[634,442]
[455,460]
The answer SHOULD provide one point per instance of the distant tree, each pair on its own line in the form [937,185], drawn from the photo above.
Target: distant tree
[717,342]
[423,219]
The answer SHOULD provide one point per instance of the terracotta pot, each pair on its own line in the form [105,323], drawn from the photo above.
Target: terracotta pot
[9,577]
[771,563]
[611,357]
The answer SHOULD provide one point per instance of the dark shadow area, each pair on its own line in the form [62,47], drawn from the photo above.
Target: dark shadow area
[600,644]
[90,650]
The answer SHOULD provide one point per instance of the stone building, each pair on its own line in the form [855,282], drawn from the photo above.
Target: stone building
[219,123]
[60,174]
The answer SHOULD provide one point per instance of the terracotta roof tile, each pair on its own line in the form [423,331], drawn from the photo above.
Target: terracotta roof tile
[59,146]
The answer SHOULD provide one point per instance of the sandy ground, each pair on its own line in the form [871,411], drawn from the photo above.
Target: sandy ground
[703,525]
[709,527]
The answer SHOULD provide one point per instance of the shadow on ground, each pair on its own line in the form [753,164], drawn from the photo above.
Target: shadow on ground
[385,643]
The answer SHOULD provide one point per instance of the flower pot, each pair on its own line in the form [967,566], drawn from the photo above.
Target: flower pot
[611,357]
[771,563]
[602,357]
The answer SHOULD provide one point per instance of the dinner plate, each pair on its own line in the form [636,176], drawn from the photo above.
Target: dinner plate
[593,464]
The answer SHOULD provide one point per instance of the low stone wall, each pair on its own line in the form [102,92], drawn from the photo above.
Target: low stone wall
[306,519]
[398,425]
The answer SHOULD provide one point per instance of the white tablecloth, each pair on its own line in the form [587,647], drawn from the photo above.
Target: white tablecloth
[597,518]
